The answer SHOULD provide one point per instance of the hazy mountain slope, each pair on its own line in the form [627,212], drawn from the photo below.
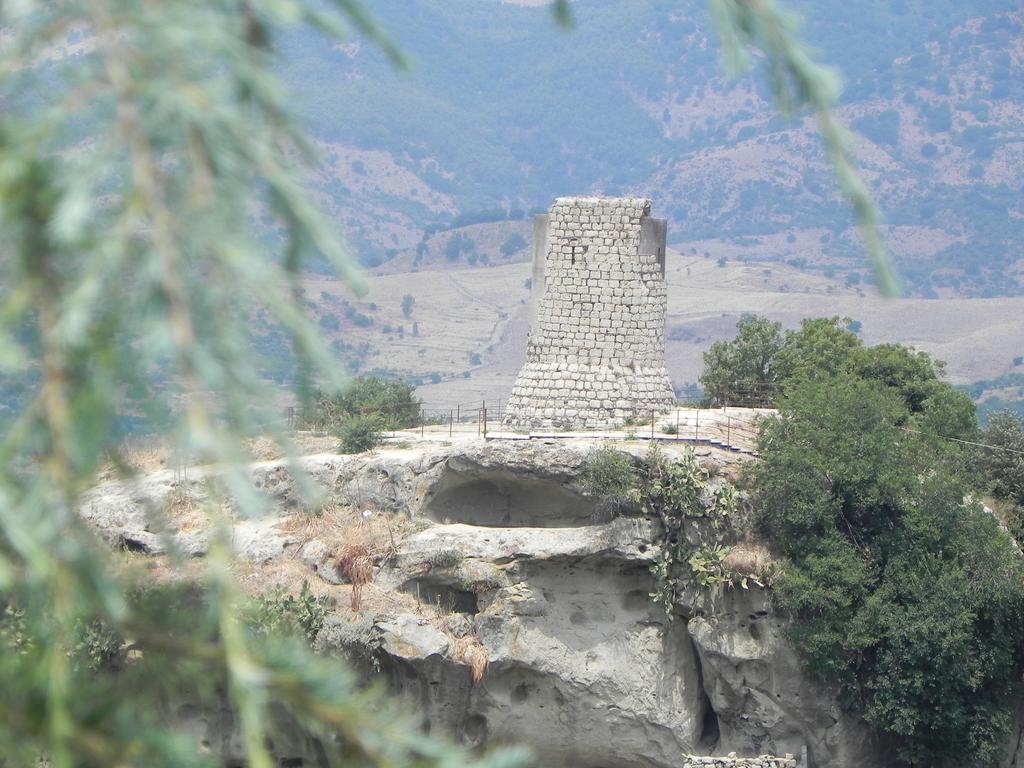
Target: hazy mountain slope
[502,110]
[469,337]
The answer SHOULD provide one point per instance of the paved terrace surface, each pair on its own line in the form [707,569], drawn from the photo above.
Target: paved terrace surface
[731,429]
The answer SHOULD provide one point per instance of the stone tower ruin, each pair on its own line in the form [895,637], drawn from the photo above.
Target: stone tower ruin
[596,349]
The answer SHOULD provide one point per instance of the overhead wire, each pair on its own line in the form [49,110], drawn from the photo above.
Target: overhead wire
[965,442]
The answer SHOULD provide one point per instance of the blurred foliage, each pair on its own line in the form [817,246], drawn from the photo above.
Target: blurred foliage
[138,142]
[151,197]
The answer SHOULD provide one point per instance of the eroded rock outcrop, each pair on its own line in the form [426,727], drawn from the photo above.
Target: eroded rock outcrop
[508,607]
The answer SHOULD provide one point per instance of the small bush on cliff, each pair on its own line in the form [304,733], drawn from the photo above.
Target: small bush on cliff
[280,613]
[446,558]
[671,489]
[674,489]
[611,476]
[360,433]
[905,594]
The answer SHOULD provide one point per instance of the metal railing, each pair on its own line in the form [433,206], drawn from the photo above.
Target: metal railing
[482,413]
[729,427]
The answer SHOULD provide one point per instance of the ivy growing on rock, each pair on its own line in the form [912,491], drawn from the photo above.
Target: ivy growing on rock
[673,490]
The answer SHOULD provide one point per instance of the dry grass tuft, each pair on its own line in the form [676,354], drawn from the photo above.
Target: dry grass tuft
[356,562]
[338,526]
[470,651]
[359,538]
[751,560]
[264,449]
[748,558]
[182,510]
[140,456]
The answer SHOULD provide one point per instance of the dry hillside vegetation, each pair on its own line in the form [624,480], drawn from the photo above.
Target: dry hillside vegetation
[484,311]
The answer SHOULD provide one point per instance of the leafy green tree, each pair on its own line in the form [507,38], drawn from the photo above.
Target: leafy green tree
[744,370]
[761,363]
[905,594]
[1003,463]
[821,347]
[391,402]
[935,407]
[908,372]
[457,244]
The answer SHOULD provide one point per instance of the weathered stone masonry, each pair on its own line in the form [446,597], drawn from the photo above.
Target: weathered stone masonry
[764,761]
[596,349]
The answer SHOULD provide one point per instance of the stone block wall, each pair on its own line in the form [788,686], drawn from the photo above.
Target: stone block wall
[764,761]
[596,349]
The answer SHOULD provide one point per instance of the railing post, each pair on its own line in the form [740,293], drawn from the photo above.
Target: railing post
[696,426]
[451,422]
[485,422]
[458,413]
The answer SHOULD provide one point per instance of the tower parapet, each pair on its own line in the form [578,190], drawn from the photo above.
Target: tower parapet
[596,349]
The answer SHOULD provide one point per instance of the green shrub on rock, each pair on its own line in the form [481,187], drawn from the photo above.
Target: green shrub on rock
[360,433]
[281,614]
[611,476]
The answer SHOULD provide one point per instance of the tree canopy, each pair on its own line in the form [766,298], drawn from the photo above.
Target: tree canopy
[1002,460]
[763,363]
[390,402]
[745,370]
[903,591]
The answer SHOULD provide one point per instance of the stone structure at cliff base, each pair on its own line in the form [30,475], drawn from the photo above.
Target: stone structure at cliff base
[596,348]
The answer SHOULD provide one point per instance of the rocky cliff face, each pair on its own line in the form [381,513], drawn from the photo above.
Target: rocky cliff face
[508,607]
